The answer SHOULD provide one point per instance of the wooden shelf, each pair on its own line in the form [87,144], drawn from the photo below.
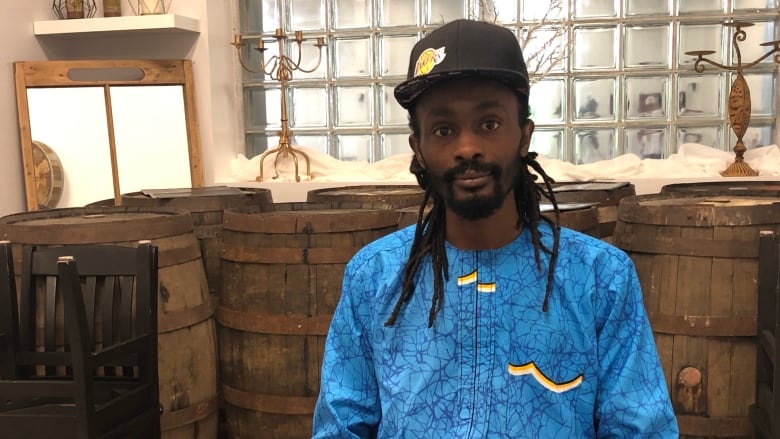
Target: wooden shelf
[92,27]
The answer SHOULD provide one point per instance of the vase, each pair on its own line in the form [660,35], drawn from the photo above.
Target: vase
[75,9]
[69,9]
[112,8]
[150,7]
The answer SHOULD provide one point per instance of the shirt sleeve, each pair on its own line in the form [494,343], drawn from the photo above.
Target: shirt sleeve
[633,400]
[348,403]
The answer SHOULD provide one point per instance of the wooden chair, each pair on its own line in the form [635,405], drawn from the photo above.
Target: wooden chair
[80,358]
[9,322]
[765,413]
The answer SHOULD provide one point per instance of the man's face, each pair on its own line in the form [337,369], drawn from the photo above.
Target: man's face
[471,144]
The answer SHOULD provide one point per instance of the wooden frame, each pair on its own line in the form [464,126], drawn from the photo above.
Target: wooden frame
[32,74]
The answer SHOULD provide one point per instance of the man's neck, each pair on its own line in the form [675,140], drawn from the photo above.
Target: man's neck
[493,232]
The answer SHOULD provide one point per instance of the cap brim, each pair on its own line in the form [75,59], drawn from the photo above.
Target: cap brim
[408,91]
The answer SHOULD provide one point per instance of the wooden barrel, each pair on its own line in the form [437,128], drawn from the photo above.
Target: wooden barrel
[282,271]
[582,217]
[409,215]
[187,360]
[206,205]
[728,188]
[606,193]
[697,260]
[369,196]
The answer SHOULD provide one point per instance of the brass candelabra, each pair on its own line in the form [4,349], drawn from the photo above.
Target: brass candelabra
[279,68]
[739,95]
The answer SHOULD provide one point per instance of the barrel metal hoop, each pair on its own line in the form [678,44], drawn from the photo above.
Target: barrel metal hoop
[309,221]
[704,326]
[188,415]
[335,255]
[174,320]
[284,405]
[688,246]
[176,256]
[725,426]
[273,324]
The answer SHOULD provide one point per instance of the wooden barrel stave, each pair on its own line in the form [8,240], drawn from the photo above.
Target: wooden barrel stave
[282,270]
[206,206]
[696,257]
[582,217]
[606,193]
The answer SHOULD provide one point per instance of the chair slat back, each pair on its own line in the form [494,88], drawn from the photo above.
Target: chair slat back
[80,342]
[86,341]
[108,277]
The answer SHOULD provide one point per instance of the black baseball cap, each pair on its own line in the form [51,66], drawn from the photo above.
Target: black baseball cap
[464,48]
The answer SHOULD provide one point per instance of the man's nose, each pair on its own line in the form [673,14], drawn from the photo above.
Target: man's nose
[469,146]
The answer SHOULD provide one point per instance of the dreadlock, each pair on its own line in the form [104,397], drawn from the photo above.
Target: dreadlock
[429,236]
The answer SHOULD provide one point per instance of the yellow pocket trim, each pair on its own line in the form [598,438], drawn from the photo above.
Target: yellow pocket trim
[531,369]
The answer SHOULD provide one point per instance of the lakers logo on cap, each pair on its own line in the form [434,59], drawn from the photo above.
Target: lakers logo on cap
[429,59]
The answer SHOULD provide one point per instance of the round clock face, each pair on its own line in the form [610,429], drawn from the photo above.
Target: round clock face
[49,179]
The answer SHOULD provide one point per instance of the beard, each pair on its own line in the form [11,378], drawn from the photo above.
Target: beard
[475,206]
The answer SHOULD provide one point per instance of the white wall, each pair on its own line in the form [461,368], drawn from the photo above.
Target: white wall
[216,85]
[16,31]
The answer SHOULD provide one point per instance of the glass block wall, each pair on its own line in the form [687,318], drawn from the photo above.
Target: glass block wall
[622,82]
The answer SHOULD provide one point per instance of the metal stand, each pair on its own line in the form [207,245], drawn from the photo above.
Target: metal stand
[280,68]
[739,96]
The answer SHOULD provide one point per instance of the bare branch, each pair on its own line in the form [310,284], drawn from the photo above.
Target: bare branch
[487,11]
[544,41]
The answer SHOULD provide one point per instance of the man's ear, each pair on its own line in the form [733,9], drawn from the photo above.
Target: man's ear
[525,142]
[414,144]
[417,165]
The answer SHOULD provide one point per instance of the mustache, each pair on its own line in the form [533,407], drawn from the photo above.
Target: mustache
[471,165]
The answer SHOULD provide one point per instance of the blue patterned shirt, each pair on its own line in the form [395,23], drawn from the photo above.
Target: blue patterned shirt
[494,365]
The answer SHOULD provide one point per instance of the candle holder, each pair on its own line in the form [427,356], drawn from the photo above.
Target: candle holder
[150,7]
[739,95]
[280,68]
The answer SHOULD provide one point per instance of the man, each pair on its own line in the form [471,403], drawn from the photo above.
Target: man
[485,320]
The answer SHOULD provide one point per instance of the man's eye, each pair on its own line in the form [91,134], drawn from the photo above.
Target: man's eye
[490,125]
[442,131]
